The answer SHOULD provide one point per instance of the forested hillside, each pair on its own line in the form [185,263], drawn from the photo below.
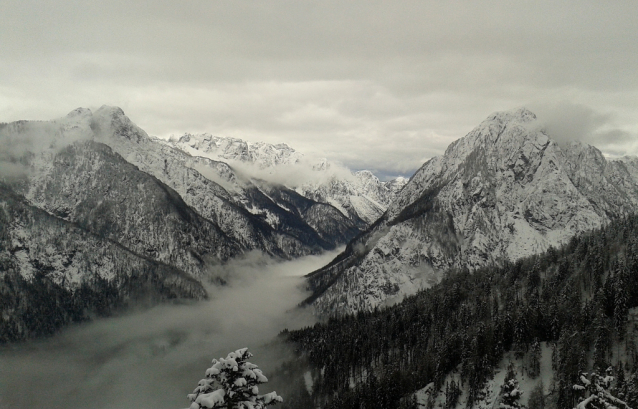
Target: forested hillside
[577,299]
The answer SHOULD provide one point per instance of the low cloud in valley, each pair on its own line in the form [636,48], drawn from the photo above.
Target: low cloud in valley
[154,358]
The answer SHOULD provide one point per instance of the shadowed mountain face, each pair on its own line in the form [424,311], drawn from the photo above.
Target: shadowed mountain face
[98,207]
[504,191]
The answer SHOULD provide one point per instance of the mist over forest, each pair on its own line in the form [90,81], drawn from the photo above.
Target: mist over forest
[153,358]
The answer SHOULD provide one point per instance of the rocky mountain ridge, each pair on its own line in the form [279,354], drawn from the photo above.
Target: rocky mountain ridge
[504,191]
[360,195]
[262,154]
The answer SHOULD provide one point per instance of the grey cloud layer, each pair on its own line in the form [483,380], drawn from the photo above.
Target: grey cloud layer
[379,85]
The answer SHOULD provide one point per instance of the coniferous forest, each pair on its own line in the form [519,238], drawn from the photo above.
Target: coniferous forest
[577,299]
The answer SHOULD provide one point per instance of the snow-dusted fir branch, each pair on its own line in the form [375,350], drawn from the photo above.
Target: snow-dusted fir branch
[231,383]
[510,391]
[597,387]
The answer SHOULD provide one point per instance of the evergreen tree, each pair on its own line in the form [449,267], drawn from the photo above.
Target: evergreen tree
[452,394]
[595,392]
[631,396]
[537,397]
[232,383]
[620,301]
[510,393]
[602,344]
[534,368]
[620,388]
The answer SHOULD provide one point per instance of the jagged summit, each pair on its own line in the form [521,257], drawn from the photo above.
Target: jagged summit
[110,110]
[491,134]
[261,154]
[504,191]
[101,204]
[79,112]
[521,114]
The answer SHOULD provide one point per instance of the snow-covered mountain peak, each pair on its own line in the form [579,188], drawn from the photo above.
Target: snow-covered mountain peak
[503,131]
[504,191]
[109,120]
[283,146]
[261,154]
[79,113]
[366,174]
[521,114]
[360,196]
[110,110]
[103,124]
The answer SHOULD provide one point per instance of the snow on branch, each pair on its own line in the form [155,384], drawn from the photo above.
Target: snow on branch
[232,383]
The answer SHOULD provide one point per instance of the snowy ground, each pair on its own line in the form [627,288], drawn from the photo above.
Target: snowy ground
[152,359]
[493,387]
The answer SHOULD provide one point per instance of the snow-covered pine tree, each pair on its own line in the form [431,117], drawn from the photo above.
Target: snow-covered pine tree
[620,389]
[510,393]
[231,383]
[537,397]
[632,391]
[534,359]
[595,392]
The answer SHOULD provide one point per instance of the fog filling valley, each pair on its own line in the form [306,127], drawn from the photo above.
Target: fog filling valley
[154,358]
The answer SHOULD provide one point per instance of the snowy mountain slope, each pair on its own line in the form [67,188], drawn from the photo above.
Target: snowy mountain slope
[324,219]
[214,189]
[504,191]
[241,214]
[90,185]
[54,272]
[361,196]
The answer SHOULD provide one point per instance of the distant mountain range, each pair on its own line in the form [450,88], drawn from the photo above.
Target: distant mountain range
[359,195]
[504,191]
[99,205]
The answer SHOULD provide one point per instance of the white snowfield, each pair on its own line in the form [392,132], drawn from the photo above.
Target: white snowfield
[504,191]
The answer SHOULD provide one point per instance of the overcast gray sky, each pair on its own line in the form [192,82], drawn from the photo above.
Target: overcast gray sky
[381,85]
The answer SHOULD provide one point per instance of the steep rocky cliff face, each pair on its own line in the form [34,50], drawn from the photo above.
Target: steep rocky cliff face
[504,191]
[90,185]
